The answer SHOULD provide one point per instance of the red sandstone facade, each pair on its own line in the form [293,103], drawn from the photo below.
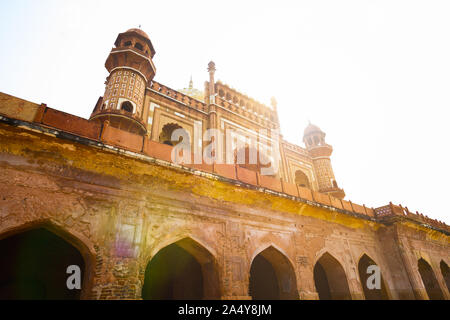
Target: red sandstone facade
[107,189]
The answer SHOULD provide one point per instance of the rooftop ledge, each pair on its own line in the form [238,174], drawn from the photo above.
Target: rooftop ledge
[40,118]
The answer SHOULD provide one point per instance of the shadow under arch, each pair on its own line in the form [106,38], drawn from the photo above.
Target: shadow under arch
[429,280]
[39,254]
[445,273]
[272,276]
[182,270]
[330,279]
[371,294]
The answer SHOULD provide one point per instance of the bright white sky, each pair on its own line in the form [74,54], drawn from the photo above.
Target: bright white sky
[374,75]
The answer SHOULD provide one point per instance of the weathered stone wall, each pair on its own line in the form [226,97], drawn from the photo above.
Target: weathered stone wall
[120,210]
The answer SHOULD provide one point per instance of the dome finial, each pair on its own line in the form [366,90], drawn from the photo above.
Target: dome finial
[211,67]
[191,84]
[274,103]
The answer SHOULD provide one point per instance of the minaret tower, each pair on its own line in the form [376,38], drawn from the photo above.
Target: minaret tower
[320,152]
[211,98]
[131,70]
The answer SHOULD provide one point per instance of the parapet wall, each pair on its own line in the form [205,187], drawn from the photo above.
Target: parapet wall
[178,96]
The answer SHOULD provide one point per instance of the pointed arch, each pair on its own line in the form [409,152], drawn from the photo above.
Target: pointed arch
[166,133]
[371,294]
[40,248]
[182,270]
[301,179]
[429,280]
[330,279]
[272,276]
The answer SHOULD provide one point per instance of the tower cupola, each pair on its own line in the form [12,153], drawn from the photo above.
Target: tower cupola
[131,70]
[320,152]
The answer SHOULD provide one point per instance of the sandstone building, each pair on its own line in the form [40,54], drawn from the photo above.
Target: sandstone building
[104,194]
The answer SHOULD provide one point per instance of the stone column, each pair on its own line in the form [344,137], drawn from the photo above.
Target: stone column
[305,283]
[118,279]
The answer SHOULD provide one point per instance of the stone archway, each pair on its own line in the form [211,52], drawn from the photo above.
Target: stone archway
[330,279]
[272,277]
[184,270]
[165,136]
[251,158]
[445,273]
[370,294]
[429,280]
[301,179]
[36,267]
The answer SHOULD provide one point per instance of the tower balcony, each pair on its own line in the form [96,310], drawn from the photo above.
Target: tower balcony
[334,192]
[121,119]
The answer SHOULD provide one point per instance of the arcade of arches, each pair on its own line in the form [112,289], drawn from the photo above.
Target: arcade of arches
[184,270]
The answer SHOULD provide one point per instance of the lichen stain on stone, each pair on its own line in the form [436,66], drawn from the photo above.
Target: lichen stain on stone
[138,171]
[429,233]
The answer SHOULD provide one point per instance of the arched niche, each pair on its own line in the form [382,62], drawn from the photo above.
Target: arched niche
[429,280]
[371,293]
[330,279]
[38,259]
[184,270]
[272,277]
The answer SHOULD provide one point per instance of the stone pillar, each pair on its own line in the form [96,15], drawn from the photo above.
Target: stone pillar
[440,279]
[236,272]
[412,269]
[118,280]
[305,283]
[399,283]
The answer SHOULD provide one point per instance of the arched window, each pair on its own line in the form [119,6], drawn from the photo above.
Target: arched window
[429,281]
[301,179]
[252,159]
[166,134]
[127,107]
[128,44]
[139,46]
